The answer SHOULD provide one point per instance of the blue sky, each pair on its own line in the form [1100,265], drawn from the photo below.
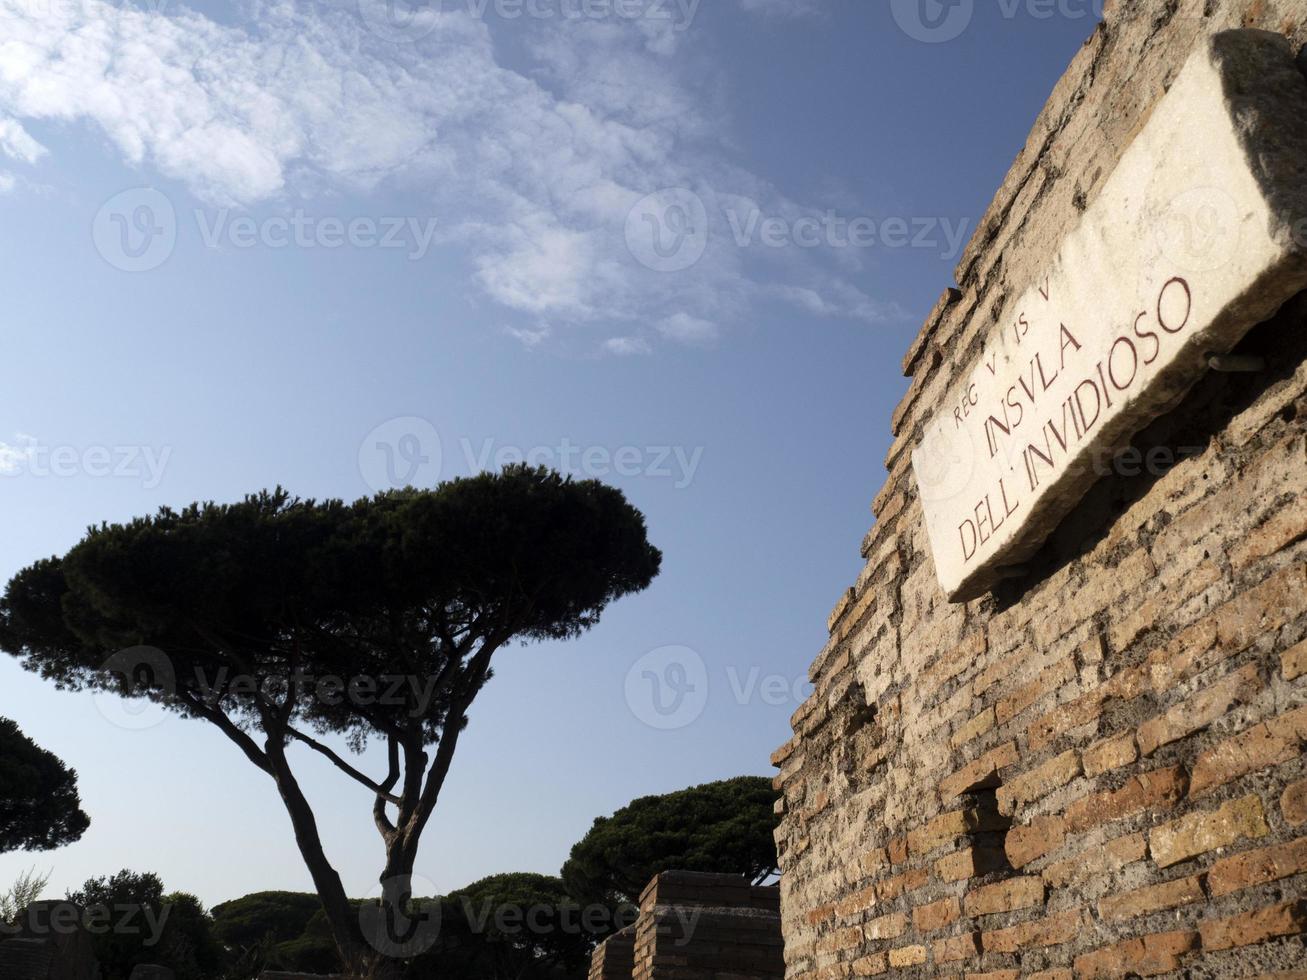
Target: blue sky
[680,247]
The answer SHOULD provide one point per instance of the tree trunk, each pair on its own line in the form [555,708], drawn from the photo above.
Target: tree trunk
[326,881]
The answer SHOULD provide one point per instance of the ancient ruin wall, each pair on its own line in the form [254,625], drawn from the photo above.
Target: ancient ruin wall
[1096,770]
[706,927]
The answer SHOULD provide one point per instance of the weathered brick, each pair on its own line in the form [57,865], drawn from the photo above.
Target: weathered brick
[1239,871]
[1050,679]
[820,914]
[1147,956]
[969,862]
[1110,753]
[1285,919]
[840,940]
[909,881]
[950,826]
[937,915]
[1112,856]
[976,727]
[995,975]
[1282,530]
[1293,662]
[1032,841]
[897,849]
[1293,804]
[1124,685]
[1055,974]
[906,956]
[1154,898]
[1271,743]
[981,773]
[875,860]
[1191,652]
[1198,833]
[886,927]
[1038,783]
[857,903]
[956,948]
[1263,609]
[1006,896]
[871,966]
[1161,788]
[1200,710]
[1052,931]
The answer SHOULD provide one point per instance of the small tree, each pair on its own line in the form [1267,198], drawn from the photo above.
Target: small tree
[260,605]
[726,827]
[39,806]
[15,899]
[517,926]
[145,925]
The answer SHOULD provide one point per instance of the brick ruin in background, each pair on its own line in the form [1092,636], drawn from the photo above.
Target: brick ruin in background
[1086,758]
[697,927]
[45,946]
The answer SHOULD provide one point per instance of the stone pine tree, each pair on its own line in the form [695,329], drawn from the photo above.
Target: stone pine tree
[281,620]
[39,804]
[726,827]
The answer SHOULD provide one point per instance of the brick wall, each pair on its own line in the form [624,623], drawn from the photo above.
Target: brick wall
[697,927]
[1098,769]
[615,957]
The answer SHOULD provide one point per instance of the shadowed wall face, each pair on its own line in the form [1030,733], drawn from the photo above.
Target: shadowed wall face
[697,927]
[1095,768]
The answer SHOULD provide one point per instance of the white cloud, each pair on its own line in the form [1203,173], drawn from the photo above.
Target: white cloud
[14,458]
[686,329]
[534,173]
[627,346]
[17,144]
[788,9]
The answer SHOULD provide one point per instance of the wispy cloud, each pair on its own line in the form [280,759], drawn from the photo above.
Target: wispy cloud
[15,456]
[535,173]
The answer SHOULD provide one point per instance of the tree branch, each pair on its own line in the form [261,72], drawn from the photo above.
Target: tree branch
[341,764]
[379,806]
